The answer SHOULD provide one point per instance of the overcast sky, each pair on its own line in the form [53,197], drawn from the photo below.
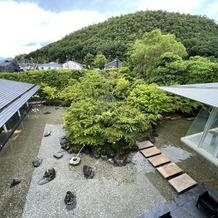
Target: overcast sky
[27,25]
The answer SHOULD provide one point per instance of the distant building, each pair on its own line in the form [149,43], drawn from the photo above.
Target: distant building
[9,67]
[72,65]
[13,106]
[51,65]
[28,66]
[113,64]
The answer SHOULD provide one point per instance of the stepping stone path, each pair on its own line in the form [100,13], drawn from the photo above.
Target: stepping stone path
[158,160]
[182,182]
[149,152]
[179,180]
[144,144]
[169,170]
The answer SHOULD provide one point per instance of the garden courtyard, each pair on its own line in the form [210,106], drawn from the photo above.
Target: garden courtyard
[127,191]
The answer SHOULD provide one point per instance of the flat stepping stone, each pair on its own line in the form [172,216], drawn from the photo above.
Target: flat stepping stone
[144,144]
[182,182]
[159,160]
[169,170]
[149,152]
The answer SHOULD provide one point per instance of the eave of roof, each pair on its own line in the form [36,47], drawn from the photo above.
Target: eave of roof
[206,93]
[13,97]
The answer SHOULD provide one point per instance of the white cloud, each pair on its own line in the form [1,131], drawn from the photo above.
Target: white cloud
[26,23]
[212,10]
[181,6]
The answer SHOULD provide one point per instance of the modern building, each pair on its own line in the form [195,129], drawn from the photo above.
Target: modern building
[203,133]
[14,106]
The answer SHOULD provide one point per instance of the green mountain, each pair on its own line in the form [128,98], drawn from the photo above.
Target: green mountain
[199,34]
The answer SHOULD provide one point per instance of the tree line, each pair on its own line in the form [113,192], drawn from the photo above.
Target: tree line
[112,38]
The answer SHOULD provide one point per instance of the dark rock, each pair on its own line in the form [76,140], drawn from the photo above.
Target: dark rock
[88,172]
[58,154]
[154,133]
[119,160]
[47,112]
[37,162]
[49,175]
[150,138]
[128,159]
[47,133]
[86,150]
[96,154]
[91,154]
[70,200]
[15,182]
[104,157]
[65,142]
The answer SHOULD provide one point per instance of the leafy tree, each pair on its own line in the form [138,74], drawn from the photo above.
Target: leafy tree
[89,60]
[100,60]
[121,89]
[199,70]
[93,85]
[96,123]
[50,92]
[150,101]
[170,69]
[145,53]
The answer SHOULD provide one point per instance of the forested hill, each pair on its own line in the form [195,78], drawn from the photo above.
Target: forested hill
[199,35]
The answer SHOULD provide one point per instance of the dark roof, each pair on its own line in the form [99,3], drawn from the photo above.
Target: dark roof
[116,61]
[12,97]
[9,67]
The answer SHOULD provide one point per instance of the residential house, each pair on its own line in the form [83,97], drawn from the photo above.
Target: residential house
[72,65]
[9,67]
[113,64]
[51,65]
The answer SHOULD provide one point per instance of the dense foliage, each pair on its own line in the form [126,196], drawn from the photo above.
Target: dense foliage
[109,109]
[144,53]
[111,38]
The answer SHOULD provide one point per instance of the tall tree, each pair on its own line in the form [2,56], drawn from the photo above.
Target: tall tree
[100,61]
[89,60]
[145,52]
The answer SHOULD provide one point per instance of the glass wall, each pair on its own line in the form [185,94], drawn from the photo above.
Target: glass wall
[203,133]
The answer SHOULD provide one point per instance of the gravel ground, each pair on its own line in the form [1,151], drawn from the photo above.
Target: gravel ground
[114,192]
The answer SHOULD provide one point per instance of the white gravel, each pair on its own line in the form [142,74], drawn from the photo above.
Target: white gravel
[114,192]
